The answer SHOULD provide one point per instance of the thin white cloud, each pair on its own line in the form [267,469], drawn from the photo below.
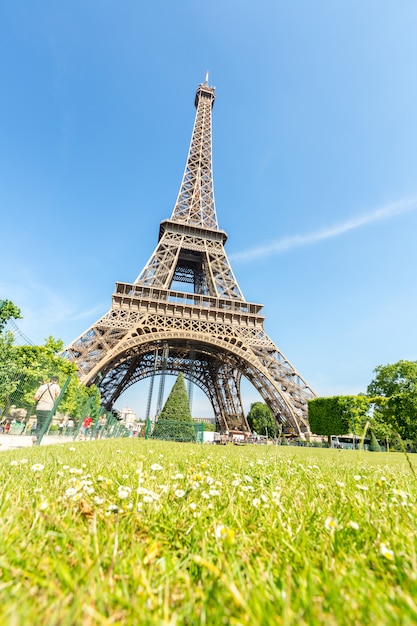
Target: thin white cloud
[297,241]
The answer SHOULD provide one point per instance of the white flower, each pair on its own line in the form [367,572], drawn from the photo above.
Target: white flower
[386,552]
[353,525]
[70,492]
[357,477]
[400,492]
[340,484]
[330,523]
[156,467]
[276,495]
[123,492]
[192,506]
[214,492]
[38,467]
[256,502]
[179,493]
[235,482]
[72,449]
[220,531]
[15,463]
[177,476]
[98,500]
[23,461]
[362,487]
[43,505]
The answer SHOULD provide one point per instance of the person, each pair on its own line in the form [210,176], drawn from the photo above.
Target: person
[101,425]
[86,425]
[70,426]
[61,427]
[45,397]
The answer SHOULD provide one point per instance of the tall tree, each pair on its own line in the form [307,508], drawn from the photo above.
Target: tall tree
[394,378]
[261,420]
[177,406]
[175,421]
[394,391]
[10,369]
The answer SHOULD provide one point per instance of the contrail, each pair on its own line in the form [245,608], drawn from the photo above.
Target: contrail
[297,241]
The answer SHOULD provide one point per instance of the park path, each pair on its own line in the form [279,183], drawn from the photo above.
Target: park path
[12,442]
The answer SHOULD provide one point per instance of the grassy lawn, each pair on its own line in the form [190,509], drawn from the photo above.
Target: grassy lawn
[148,532]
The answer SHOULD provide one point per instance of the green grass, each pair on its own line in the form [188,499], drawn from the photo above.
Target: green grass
[150,532]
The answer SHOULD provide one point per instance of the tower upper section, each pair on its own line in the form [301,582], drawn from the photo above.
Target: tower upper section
[195,203]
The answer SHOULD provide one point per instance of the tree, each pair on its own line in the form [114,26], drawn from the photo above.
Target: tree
[10,369]
[394,391]
[175,422]
[23,368]
[391,379]
[261,420]
[8,310]
[402,411]
[374,445]
[338,415]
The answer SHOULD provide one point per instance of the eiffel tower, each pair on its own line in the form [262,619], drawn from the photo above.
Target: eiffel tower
[209,332]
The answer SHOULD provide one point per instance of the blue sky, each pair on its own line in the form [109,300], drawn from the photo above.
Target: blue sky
[314,154]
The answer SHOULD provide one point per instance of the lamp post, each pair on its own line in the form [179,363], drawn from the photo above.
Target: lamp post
[353,430]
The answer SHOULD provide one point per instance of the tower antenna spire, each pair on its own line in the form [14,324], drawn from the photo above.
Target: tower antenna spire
[207,75]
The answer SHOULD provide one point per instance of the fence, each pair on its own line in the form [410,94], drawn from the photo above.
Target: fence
[14,409]
[18,417]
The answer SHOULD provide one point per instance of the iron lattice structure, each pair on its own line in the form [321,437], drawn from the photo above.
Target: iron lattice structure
[210,333]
